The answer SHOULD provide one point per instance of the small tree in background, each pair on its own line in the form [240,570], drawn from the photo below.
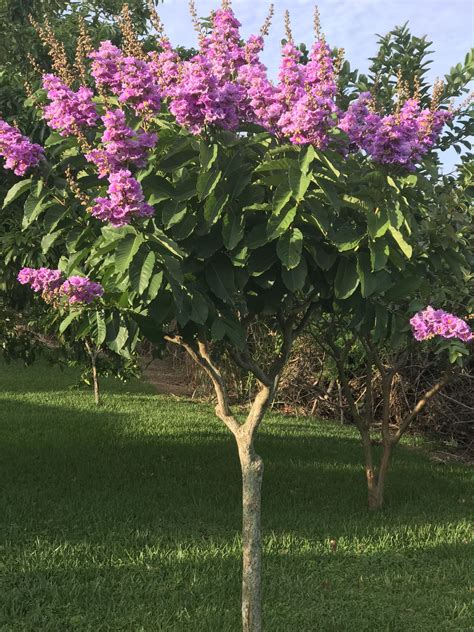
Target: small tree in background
[205,198]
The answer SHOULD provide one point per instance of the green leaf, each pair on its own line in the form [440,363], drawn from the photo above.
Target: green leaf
[101,329]
[120,340]
[154,285]
[34,206]
[329,191]
[207,154]
[348,237]
[141,270]
[402,244]
[377,223]
[156,189]
[53,216]
[379,251]
[220,277]
[126,250]
[173,213]
[319,215]
[256,237]
[404,287]
[177,159]
[306,158]
[280,222]
[68,320]
[48,240]
[370,281]
[199,308]
[280,164]
[281,196]
[54,139]
[347,279]
[295,278]
[381,322]
[261,260]
[16,190]
[289,248]
[213,208]
[173,269]
[232,229]
[163,240]
[299,182]
[207,182]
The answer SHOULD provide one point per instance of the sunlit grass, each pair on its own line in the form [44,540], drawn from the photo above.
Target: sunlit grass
[127,518]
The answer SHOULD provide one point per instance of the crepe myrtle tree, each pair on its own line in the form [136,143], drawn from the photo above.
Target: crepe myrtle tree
[370,335]
[204,197]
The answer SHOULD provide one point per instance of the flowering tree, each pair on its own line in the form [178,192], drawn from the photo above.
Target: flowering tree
[204,197]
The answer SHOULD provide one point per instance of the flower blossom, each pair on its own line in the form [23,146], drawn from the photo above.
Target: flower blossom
[308,95]
[51,285]
[129,78]
[68,110]
[401,139]
[42,280]
[122,145]
[79,289]
[19,152]
[125,201]
[436,322]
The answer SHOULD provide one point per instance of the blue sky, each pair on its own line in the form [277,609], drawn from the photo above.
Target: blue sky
[351,24]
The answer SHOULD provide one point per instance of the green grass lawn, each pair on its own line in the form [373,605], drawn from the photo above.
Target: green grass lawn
[126,518]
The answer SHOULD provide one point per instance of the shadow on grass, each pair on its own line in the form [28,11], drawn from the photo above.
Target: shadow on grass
[69,472]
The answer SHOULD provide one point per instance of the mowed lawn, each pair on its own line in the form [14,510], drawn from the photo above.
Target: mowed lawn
[126,518]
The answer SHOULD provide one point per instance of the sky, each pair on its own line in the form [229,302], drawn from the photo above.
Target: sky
[351,24]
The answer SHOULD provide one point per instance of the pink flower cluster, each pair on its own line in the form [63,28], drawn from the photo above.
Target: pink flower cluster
[402,138]
[125,201]
[42,280]
[19,152]
[51,285]
[436,322]
[226,85]
[129,78]
[121,145]
[308,93]
[68,110]
[78,289]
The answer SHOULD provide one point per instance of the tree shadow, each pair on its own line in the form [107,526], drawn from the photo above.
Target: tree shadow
[67,469]
[106,527]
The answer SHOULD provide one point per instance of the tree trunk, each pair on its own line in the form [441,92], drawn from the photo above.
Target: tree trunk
[381,474]
[372,492]
[252,474]
[95,381]
[93,353]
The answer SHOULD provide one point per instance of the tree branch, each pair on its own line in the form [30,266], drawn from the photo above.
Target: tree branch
[202,357]
[421,404]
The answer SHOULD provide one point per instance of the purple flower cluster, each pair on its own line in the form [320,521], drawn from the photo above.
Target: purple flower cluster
[68,110]
[19,152]
[164,67]
[78,289]
[121,145]
[226,84]
[125,201]
[129,78]
[402,138]
[436,322]
[42,280]
[308,93]
[51,285]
